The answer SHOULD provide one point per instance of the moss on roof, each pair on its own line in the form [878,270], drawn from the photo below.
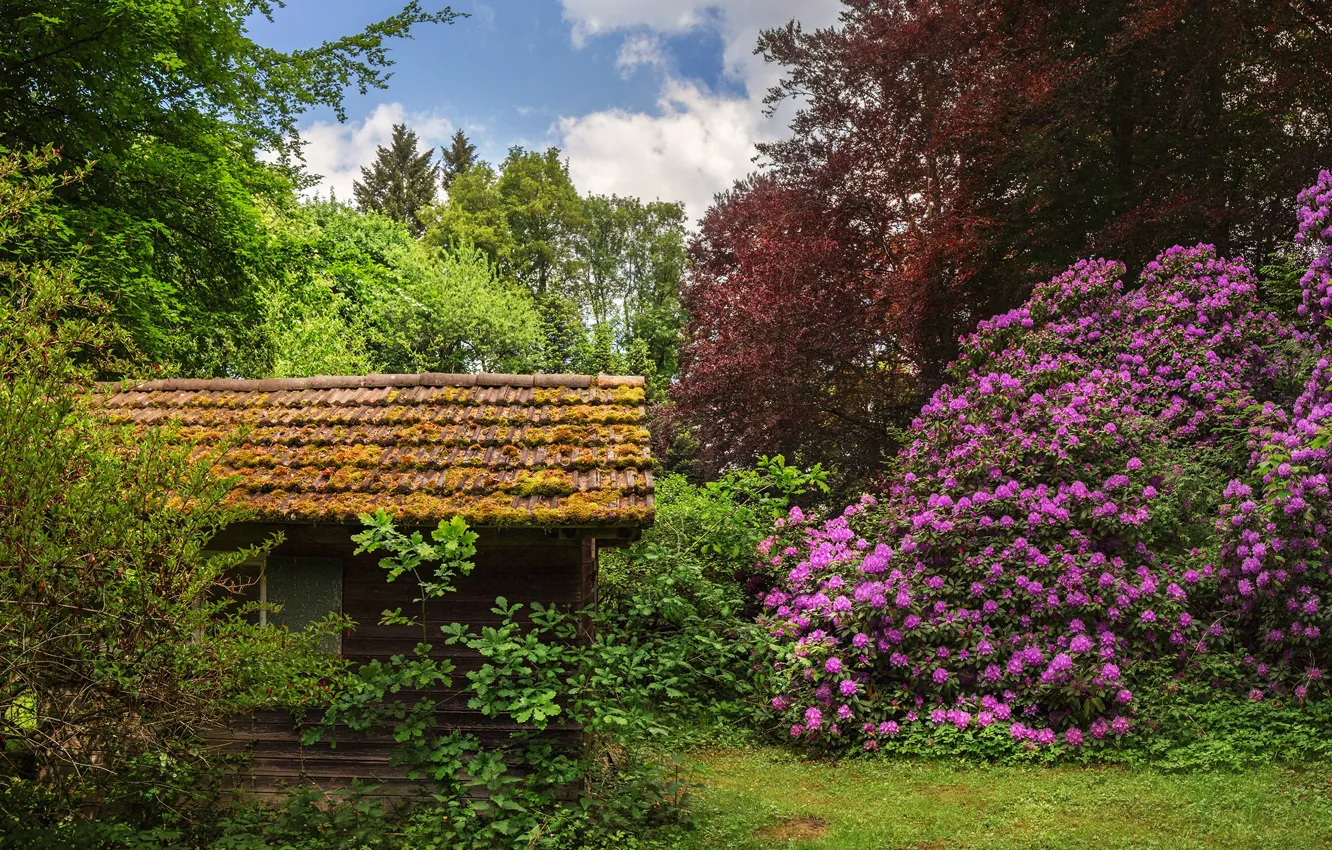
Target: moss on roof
[494,449]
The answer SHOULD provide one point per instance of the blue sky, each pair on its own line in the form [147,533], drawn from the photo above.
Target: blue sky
[656,98]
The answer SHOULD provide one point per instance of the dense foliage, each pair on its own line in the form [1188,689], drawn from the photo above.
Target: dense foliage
[1114,480]
[118,641]
[540,669]
[195,237]
[363,295]
[370,298]
[788,349]
[944,155]
[175,102]
[604,271]
[675,617]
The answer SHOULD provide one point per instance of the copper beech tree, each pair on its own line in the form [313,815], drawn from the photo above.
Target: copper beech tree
[791,334]
[947,154]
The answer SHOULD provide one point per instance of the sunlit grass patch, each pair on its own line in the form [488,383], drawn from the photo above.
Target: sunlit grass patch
[765,798]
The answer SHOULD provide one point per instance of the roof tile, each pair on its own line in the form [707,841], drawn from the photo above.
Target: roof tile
[495,449]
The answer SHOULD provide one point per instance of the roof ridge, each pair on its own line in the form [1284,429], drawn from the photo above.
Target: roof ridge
[329,382]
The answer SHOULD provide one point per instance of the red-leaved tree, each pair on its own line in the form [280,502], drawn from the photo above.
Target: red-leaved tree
[793,331]
[945,155]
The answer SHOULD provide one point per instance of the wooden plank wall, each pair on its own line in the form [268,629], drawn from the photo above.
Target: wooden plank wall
[521,567]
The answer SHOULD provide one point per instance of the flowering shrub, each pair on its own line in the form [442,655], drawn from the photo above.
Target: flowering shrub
[1315,226]
[1275,571]
[1111,481]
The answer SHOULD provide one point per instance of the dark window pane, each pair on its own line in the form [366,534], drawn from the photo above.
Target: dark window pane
[242,586]
[308,589]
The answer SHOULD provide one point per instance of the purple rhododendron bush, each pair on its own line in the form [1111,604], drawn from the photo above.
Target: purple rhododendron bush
[1124,485]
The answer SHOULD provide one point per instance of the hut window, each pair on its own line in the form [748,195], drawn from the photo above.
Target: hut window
[307,589]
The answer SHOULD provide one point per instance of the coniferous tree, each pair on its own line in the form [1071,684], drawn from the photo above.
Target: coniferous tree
[400,182]
[456,158]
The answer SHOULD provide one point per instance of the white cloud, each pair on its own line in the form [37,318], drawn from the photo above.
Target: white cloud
[484,15]
[693,147]
[696,142]
[598,17]
[638,51]
[338,151]
[692,144]
[738,22]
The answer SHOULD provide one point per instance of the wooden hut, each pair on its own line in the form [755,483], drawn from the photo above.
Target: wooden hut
[546,468]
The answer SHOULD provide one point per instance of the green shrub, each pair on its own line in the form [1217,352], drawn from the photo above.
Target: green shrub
[118,641]
[525,792]
[675,625]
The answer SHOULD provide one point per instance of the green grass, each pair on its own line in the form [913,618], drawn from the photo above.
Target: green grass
[765,798]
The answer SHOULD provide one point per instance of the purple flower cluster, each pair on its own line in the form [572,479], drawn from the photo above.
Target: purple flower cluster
[1079,501]
[1275,572]
[1315,226]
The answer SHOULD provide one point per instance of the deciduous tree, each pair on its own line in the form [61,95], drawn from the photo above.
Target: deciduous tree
[544,211]
[475,215]
[791,345]
[174,101]
[451,313]
[118,636]
[957,151]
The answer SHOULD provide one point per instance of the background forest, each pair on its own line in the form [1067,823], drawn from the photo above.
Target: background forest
[191,229]
[817,303]
[1146,455]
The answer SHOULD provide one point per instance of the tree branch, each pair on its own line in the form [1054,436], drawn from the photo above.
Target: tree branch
[78,42]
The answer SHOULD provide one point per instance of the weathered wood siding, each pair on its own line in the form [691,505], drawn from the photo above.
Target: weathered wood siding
[521,565]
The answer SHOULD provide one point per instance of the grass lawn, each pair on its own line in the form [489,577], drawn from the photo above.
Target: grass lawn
[765,798]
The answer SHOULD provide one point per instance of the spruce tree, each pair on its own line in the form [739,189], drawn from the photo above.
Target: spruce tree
[400,182]
[457,158]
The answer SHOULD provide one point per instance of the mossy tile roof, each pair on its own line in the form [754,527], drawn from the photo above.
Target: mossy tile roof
[495,449]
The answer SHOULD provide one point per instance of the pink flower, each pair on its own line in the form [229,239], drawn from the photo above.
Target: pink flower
[990,551]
